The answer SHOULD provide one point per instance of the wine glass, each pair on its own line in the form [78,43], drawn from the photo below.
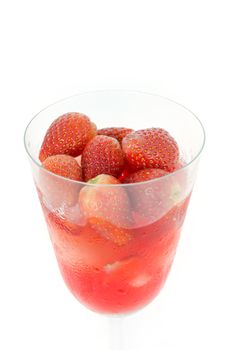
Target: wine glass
[116,266]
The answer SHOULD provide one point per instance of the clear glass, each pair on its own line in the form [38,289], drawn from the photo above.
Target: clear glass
[118,266]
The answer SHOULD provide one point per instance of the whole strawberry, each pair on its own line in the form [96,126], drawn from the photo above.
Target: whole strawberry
[102,155]
[58,192]
[68,134]
[144,175]
[107,208]
[117,133]
[151,148]
[63,165]
[153,199]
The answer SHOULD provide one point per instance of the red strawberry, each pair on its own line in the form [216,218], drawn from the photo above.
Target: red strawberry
[151,148]
[116,133]
[68,134]
[58,192]
[63,165]
[107,208]
[102,155]
[152,199]
[145,175]
[124,174]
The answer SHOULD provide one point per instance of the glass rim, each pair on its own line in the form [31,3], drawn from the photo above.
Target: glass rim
[185,166]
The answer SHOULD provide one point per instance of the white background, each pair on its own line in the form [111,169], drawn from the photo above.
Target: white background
[180,49]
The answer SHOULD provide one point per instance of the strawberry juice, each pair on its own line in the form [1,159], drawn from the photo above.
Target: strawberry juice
[114,279]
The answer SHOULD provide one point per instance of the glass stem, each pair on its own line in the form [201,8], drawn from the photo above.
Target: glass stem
[116,333]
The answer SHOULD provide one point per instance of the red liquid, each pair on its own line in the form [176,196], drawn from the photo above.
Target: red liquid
[116,279]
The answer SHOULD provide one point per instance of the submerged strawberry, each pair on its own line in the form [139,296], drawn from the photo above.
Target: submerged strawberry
[77,244]
[102,155]
[59,192]
[144,175]
[68,134]
[151,148]
[116,133]
[107,208]
[153,199]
